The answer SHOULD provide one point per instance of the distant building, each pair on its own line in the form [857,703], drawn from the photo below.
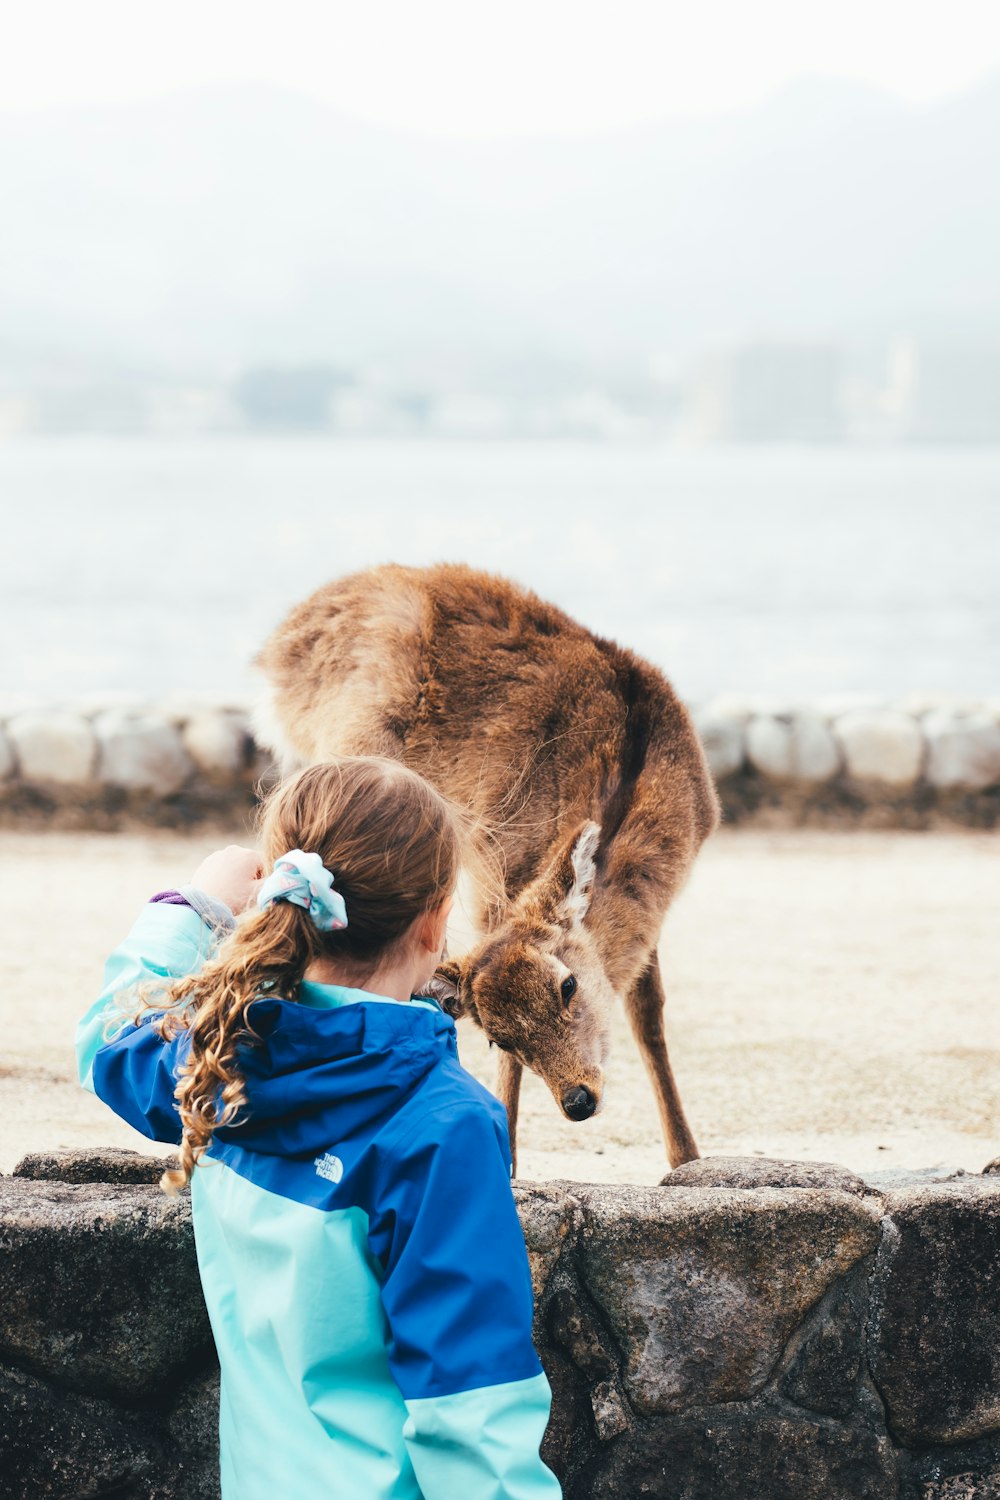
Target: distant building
[299,396]
[943,394]
[773,392]
[81,404]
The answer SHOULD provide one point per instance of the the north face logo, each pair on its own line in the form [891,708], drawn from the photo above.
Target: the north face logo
[329,1166]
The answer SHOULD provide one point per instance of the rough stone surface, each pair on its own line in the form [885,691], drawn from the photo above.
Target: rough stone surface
[702,1289]
[141,752]
[763,1171]
[108,1164]
[77,1261]
[610,1416]
[966,1473]
[54,747]
[192,1427]
[824,1370]
[711,1343]
[218,743]
[58,1443]
[71,1446]
[880,745]
[749,1455]
[575,1330]
[936,1359]
[801,749]
[895,1179]
[962,751]
[546,1228]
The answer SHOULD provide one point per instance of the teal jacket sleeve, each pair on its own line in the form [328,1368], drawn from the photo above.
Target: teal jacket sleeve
[483,1444]
[459,1306]
[130,1066]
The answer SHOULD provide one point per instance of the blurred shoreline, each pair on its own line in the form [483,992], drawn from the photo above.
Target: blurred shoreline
[151,566]
[845,762]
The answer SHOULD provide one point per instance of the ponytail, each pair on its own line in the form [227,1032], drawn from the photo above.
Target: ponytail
[394,846]
[268,951]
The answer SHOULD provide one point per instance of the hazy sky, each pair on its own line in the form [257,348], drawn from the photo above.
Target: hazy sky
[469,68]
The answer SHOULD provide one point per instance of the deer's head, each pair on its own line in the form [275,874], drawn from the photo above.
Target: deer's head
[537,986]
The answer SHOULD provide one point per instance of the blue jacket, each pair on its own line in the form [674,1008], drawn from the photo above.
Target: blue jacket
[359,1249]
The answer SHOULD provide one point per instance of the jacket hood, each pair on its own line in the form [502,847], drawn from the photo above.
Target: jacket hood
[321,1073]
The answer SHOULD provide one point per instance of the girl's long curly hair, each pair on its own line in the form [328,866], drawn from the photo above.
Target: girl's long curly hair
[393,845]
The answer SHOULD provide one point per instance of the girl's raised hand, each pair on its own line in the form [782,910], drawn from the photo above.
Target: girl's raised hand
[230,875]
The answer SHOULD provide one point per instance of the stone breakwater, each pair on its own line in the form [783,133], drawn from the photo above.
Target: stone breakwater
[106,765]
[751,1330]
[910,763]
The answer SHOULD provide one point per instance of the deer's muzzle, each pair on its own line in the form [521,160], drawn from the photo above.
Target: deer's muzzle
[579,1103]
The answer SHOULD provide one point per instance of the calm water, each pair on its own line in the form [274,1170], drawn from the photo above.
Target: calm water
[149,566]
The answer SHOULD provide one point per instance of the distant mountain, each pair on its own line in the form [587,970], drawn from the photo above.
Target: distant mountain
[213,228]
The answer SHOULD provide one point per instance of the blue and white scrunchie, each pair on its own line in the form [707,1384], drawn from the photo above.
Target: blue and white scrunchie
[304,880]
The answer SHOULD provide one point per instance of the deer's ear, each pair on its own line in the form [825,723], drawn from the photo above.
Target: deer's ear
[575,867]
[445,986]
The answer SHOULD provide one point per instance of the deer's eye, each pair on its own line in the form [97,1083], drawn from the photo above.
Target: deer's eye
[567,989]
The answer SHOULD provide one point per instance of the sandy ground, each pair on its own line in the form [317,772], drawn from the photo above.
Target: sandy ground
[830,997]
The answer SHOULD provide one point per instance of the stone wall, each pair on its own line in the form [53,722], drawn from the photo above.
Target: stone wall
[94,764]
[913,763]
[910,763]
[752,1330]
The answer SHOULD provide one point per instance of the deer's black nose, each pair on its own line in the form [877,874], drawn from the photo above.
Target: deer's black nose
[579,1103]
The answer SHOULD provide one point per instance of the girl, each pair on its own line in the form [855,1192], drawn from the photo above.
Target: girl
[357,1240]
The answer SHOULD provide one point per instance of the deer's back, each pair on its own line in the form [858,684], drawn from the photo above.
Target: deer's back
[499,698]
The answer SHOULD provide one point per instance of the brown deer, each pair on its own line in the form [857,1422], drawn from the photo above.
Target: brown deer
[579,766]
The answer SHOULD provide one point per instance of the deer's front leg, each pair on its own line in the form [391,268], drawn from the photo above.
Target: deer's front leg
[644,1006]
[509,1072]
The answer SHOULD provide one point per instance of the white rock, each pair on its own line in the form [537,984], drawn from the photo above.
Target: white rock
[723,742]
[217,742]
[962,750]
[800,750]
[881,745]
[7,762]
[141,752]
[54,746]
[769,746]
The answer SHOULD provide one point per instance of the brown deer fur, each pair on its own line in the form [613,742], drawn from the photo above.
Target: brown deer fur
[578,764]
